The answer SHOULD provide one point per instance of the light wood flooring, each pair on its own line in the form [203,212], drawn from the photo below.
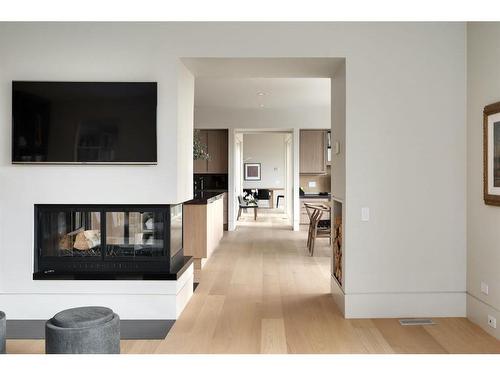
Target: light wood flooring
[261,293]
[266,217]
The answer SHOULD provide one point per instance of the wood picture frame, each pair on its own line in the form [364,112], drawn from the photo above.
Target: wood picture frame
[252,172]
[491,147]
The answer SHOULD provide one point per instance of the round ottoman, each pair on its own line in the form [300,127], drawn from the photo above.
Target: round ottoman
[2,332]
[83,330]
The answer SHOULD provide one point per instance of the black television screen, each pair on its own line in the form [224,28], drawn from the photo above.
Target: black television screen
[84,122]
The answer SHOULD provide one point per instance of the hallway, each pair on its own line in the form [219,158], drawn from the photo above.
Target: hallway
[257,280]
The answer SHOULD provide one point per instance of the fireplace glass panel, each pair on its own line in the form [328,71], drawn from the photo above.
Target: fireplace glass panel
[95,242]
[70,233]
[135,234]
[175,229]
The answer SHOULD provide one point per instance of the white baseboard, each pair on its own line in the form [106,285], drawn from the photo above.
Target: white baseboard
[405,305]
[398,305]
[478,311]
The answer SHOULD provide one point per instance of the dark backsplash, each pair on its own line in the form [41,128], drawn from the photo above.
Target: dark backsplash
[210,182]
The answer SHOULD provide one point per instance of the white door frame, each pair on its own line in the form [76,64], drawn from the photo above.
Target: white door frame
[232,195]
[296,179]
[289,177]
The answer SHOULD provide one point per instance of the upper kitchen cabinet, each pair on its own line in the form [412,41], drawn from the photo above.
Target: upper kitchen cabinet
[217,149]
[216,142]
[313,151]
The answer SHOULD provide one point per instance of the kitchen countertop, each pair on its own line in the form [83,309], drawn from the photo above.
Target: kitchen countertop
[315,196]
[205,197]
[211,191]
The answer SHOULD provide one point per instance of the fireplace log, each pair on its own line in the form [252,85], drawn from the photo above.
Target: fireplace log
[87,239]
[66,241]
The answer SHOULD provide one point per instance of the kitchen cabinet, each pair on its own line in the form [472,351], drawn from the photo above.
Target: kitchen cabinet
[313,151]
[203,229]
[217,149]
[216,142]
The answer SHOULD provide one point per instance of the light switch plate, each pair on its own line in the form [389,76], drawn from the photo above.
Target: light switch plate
[484,288]
[365,214]
[312,184]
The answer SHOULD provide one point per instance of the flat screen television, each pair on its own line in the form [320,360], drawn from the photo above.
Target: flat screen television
[84,122]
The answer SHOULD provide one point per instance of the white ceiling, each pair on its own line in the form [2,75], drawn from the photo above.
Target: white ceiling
[279,93]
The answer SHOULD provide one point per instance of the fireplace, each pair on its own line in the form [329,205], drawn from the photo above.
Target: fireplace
[108,242]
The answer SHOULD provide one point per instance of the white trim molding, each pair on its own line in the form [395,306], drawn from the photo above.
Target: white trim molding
[478,311]
[405,305]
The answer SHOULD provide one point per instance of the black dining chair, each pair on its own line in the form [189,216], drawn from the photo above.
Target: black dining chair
[278,200]
[244,205]
[264,195]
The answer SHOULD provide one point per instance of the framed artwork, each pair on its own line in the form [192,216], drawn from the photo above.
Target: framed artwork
[252,171]
[491,154]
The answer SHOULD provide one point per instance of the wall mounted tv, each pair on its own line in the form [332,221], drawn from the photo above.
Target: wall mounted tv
[84,122]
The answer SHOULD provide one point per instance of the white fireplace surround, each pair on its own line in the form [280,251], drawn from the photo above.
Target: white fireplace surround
[130,299]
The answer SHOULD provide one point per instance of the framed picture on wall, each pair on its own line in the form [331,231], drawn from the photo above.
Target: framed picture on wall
[491,154]
[252,171]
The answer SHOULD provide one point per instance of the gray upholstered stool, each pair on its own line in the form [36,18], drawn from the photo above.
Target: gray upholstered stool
[2,332]
[83,330]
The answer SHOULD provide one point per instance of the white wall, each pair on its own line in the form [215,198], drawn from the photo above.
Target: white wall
[405,139]
[185,121]
[338,132]
[268,118]
[87,52]
[483,254]
[338,176]
[269,151]
[405,160]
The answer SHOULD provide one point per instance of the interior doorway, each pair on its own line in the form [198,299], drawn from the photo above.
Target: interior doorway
[289,95]
[263,178]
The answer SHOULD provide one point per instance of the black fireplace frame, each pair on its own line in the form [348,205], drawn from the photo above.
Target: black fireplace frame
[106,267]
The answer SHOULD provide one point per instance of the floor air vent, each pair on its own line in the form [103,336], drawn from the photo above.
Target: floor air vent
[416,322]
